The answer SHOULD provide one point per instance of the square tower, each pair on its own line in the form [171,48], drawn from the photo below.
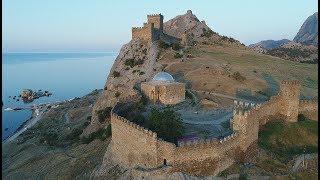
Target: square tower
[157,20]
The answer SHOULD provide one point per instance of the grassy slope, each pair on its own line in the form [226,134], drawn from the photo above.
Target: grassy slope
[288,140]
[255,67]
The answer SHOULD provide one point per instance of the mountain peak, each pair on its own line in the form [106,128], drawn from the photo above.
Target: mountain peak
[308,32]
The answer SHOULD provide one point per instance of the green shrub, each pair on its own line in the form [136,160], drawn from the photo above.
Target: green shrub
[301,117]
[237,76]
[103,114]
[117,94]
[167,124]
[101,134]
[130,62]
[163,45]
[50,138]
[175,46]
[116,74]
[139,119]
[207,33]
[74,135]
[141,73]
[178,55]
[144,51]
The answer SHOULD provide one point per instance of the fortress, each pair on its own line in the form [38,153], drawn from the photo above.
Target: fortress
[151,30]
[136,147]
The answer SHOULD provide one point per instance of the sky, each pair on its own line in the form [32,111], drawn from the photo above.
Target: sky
[105,25]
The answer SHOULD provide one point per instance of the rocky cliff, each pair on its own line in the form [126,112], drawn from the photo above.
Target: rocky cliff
[308,33]
[135,63]
[138,61]
[303,48]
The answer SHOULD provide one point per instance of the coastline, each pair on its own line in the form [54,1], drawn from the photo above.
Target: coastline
[25,125]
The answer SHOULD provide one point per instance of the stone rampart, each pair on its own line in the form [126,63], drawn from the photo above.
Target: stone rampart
[144,33]
[134,145]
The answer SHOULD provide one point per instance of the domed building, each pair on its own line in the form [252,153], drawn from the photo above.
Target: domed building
[164,89]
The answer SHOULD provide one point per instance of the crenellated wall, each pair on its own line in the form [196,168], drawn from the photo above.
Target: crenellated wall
[135,146]
[150,30]
[144,33]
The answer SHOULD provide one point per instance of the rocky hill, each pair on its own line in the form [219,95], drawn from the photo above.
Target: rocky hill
[303,48]
[263,46]
[308,33]
[138,61]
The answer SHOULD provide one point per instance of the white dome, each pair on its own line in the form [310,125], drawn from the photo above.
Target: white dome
[163,76]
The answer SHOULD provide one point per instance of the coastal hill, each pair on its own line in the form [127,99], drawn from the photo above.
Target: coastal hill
[237,70]
[72,140]
[303,48]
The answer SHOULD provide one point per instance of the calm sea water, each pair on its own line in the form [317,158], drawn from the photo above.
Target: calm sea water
[66,75]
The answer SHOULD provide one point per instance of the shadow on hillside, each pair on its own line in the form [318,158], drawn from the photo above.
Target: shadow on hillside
[263,95]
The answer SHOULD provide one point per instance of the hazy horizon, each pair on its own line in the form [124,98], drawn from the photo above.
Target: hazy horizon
[101,26]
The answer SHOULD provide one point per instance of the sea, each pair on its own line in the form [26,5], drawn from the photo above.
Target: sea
[65,75]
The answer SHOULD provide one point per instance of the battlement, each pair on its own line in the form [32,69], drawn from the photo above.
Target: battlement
[154,15]
[290,82]
[207,142]
[151,30]
[145,131]
[137,28]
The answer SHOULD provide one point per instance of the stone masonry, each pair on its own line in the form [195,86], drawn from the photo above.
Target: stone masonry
[151,30]
[135,146]
[164,92]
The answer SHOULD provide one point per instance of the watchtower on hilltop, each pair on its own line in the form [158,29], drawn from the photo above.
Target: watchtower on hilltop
[151,30]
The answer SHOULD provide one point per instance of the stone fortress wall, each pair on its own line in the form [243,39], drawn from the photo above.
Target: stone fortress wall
[166,93]
[151,30]
[135,146]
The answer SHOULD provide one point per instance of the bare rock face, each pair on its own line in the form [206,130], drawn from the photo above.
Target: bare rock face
[186,22]
[308,33]
[135,63]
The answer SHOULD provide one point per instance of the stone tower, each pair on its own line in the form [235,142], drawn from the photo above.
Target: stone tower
[157,20]
[290,93]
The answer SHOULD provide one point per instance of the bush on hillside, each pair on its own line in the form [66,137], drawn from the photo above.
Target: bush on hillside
[103,114]
[237,76]
[176,46]
[163,45]
[116,74]
[167,124]
[178,55]
[207,33]
[101,134]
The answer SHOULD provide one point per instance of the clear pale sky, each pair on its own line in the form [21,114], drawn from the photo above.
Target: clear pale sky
[105,25]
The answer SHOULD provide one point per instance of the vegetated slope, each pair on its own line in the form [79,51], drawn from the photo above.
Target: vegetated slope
[287,140]
[308,32]
[212,63]
[296,52]
[52,148]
